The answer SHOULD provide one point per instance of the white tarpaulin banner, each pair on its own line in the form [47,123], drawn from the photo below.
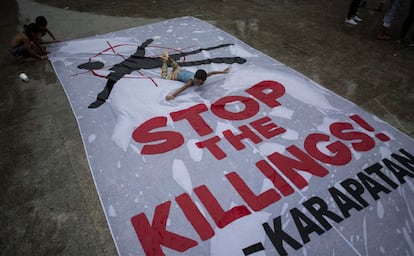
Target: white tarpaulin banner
[258,161]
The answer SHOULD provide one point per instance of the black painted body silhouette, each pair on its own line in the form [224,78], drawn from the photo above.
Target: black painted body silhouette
[138,61]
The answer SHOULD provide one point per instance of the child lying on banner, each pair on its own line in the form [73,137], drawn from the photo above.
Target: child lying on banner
[180,74]
[27,43]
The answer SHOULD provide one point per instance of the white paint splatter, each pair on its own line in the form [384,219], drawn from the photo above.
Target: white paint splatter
[356,155]
[206,54]
[365,233]
[284,208]
[248,229]
[135,149]
[290,135]
[266,185]
[324,126]
[181,175]
[282,112]
[385,152]
[91,138]
[236,50]
[111,211]
[200,208]
[304,251]
[380,210]
[409,240]
[410,185]
[195,153]
[222,126]
[268,148]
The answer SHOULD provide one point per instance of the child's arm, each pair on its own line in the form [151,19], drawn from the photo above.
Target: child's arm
[37,42]
[179,90]
[28,46]
[52,36]
[225,71]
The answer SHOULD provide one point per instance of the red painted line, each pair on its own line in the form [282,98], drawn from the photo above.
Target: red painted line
[109,48]
[96,74]
[113,50]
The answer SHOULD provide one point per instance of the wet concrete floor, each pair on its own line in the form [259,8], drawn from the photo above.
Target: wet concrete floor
[48,202]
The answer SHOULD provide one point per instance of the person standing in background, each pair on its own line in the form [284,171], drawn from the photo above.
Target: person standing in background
[352,18]
[394,7]
[408,22]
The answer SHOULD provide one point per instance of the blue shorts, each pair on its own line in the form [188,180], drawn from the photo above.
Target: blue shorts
[18,51]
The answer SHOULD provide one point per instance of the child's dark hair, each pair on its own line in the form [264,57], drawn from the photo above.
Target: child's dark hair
[41,20]
[32,28]
[201,74]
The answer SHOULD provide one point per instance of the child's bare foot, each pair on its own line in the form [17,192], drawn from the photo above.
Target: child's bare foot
[165,56]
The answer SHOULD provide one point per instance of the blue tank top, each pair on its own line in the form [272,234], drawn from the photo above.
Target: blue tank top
[185,75]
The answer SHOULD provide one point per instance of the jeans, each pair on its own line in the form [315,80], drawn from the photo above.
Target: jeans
[392,11]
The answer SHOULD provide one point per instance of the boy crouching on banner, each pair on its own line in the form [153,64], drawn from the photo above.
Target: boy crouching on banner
[180,74]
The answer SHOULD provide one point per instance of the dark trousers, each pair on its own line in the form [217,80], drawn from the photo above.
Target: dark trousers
[408,21]
[353,8]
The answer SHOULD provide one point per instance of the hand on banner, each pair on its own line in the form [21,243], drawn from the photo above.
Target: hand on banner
[169,97]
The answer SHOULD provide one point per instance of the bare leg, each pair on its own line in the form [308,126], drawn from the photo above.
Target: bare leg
[175,66]
[164,70]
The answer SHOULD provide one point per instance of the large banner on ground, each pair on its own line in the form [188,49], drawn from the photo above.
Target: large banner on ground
[259,160]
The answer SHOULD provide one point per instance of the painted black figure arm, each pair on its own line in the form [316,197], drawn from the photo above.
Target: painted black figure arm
[147,42]
[177,56]
[141,49]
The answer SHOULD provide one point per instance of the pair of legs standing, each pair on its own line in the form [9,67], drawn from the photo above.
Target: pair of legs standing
[351,17]
[408,23]
[394,7]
